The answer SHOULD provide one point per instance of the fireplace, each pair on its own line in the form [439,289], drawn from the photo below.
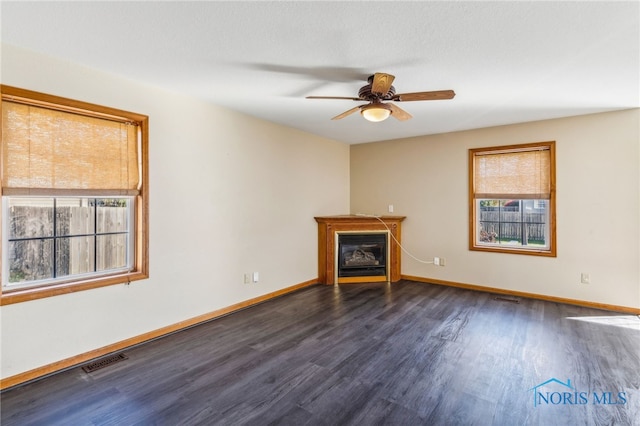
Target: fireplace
[362,255]
[375,258]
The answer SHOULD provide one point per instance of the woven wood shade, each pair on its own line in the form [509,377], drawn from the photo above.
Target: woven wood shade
[520,174]
[53,152]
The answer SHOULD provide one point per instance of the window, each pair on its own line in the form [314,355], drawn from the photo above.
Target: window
[512,199]
[74,196]
[57,238]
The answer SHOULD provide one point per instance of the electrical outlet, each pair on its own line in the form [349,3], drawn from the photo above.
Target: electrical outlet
[390,208]
[256,277]
[436,261]
[247,278]
[585,278]
[442,261]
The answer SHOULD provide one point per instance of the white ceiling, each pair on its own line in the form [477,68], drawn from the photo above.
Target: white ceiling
[508,62]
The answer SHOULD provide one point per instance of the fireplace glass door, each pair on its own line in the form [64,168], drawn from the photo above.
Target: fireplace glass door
[362,255]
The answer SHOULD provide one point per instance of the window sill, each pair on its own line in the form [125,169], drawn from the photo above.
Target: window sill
[516,250]
[9,297]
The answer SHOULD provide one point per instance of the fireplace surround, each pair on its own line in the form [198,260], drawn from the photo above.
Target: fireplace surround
[350,245]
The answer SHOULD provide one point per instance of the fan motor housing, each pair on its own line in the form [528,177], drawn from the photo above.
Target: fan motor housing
[366,93]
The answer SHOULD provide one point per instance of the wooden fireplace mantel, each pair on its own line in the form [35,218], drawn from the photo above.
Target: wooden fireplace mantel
[330,226]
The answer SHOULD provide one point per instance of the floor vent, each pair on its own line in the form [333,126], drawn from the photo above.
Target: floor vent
[507,299]
[104,362]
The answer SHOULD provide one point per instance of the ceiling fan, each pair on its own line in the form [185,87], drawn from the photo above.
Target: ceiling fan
[380,89]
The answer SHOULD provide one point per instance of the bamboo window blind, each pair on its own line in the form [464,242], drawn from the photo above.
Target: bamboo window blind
[523,173]
[56,152]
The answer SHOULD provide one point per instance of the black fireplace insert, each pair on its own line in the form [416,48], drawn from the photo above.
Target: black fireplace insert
[362,255]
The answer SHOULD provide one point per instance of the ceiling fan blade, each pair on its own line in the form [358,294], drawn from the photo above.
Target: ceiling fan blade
[334,97]
[381,83]
[424,96]
[398,112]
[344,114]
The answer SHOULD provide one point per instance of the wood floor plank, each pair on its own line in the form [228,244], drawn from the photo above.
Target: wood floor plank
[406,353]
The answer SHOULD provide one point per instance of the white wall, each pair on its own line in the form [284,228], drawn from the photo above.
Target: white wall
[229,194]
[598,206]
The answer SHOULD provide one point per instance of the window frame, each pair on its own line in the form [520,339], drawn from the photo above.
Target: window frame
[140,267]
[551,251]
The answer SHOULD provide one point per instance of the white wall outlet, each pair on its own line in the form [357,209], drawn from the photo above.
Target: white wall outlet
[247,278]
[442,261]
[256,277]
[390,208]
[436,261]
[585,278]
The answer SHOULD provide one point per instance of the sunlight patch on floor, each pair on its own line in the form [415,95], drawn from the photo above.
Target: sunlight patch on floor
[626,321]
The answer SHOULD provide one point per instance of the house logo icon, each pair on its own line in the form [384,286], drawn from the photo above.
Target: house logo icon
[554,397]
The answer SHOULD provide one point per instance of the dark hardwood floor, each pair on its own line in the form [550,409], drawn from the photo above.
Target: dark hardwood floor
[363,354]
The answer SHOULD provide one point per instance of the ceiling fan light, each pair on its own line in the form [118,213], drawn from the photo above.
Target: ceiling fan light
[376,112]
